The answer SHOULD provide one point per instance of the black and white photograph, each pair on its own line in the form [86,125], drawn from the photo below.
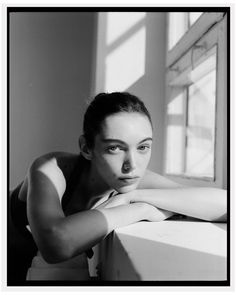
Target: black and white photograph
[118,146]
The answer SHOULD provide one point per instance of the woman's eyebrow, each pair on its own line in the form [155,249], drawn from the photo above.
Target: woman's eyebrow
[146,139]
[109,140]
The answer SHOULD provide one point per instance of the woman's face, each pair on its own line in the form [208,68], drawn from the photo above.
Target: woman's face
[122,150]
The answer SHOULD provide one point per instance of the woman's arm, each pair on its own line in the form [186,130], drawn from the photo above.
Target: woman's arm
[203,203]
[155,180]
[152,180]
[152,213]
[61,237]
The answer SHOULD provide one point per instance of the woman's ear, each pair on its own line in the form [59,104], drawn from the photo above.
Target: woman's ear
[84,149]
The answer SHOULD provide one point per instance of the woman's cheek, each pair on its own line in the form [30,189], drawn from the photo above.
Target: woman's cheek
[111,163]
[115,166]
[144,160]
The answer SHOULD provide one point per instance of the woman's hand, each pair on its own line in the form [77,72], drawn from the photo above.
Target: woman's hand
[113,201]
[156,214]
[116,200]
[150,212]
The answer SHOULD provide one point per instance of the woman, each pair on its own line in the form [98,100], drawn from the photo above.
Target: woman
[74,201]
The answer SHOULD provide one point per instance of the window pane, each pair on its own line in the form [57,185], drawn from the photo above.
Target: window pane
[201,125]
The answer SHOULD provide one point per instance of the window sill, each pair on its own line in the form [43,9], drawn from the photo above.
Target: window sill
[172,250]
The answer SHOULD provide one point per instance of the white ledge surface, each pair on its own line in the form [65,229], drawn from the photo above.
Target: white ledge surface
[165,251]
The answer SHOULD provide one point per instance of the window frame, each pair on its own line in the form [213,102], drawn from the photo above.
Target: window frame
[187,23]
[194,33]
[209,29]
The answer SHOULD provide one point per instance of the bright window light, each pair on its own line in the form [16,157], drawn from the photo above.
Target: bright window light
[175,134]
[191,116]
[119,23]
[126,63]
[177,27]
[201,127]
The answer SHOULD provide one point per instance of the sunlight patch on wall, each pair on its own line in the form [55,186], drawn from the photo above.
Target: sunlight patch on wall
[175,134]
[126,64]
[120,22]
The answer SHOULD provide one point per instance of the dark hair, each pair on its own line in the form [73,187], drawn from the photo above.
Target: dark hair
[105,104]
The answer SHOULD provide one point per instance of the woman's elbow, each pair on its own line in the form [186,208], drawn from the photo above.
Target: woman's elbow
[219,216]
[219,206]
[55,247]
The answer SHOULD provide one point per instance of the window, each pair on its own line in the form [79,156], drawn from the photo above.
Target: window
[191,120]
[196,95]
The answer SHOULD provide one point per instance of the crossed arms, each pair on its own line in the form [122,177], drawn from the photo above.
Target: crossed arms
[61,237]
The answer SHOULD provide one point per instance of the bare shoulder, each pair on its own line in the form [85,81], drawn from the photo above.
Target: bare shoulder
[55,166]
[48,164]
[153,180]
[62,160]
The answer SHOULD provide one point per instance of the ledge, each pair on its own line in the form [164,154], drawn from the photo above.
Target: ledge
[171,250]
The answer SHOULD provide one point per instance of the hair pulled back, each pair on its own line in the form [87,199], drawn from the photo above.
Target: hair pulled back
[105,104]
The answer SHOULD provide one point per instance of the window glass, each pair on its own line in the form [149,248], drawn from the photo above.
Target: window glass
[191,116]
[201,125]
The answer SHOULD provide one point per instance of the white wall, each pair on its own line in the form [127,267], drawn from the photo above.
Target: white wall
[51,58]
[131,57]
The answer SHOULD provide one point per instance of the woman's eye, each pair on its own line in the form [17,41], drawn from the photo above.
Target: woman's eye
[144,148]
[113,149]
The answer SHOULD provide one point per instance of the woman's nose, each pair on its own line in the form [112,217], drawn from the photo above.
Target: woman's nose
[129,163]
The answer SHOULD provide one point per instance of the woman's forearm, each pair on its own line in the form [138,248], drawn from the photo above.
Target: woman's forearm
[204,203]
[78,232]
[123,215]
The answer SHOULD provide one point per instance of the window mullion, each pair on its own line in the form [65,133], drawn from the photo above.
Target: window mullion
[185,127]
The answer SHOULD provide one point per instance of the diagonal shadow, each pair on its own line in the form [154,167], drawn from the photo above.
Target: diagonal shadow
[125,36]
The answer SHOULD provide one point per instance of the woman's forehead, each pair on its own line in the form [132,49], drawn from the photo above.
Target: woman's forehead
[125,125]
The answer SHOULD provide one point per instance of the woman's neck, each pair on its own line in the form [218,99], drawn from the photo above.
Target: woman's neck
[94,184]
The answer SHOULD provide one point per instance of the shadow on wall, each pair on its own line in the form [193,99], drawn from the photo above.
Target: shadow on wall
[51,57]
